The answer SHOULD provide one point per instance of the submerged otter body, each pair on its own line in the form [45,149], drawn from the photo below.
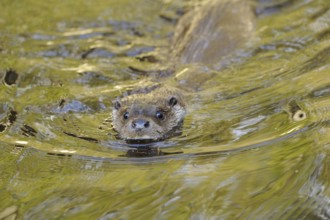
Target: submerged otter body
[215,29]
[204,35]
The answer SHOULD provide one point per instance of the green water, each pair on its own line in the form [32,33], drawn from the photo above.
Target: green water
[240,155]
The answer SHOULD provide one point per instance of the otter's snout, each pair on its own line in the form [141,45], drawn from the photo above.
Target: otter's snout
[140,124]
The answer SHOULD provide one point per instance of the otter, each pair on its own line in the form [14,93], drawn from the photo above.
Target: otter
[149,116]
[204,35]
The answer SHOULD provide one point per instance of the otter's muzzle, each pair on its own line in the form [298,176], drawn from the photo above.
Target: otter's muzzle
[140,124]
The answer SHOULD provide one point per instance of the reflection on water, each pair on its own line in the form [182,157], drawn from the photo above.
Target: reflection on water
[255,143]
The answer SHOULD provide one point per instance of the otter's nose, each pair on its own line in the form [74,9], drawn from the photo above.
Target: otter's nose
[140,124]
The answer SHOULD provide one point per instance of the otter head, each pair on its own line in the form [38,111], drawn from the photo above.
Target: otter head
[148,117]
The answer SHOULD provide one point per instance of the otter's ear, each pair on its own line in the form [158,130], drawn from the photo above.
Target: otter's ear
[172,101]
[116,103]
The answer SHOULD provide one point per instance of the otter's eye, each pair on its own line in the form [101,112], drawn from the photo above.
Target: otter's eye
[160,115]
[125,116]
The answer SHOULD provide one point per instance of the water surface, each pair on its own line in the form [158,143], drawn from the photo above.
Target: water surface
[243,153]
